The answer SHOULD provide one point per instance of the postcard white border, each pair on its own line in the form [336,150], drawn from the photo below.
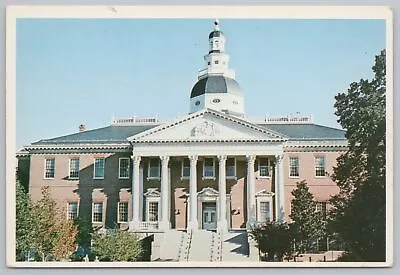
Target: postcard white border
[190,11]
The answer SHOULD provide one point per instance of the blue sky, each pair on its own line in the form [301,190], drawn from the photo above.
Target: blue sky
[73,71]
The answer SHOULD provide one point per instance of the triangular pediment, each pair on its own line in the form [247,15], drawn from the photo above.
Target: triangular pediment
[207,125]
[152,192]
[264,193]
[208,192]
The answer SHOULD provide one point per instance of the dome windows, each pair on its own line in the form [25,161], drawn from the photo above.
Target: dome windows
[197,103]
[216,100]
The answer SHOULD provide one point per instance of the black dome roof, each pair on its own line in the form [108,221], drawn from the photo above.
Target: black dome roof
[215,84]
[215,34]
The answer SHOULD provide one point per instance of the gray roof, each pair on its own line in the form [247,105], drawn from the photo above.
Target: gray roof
[109,134]
[216,84]
[306,131]
[119,134]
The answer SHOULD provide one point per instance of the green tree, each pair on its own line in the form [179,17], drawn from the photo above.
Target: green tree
[308,226]
[83,238]
[359,213]
[45,216]
[273,240]
[117,246]
[25,226]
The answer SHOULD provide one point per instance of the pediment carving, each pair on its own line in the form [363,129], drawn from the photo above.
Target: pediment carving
[206,128]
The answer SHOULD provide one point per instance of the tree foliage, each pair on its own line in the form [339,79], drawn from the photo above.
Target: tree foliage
[67,232]
[45,213]
[272,239]
[359,208]
[117,246]
[308,225]
[25,226]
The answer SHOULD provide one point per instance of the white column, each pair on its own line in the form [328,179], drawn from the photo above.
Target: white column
[222,222]
[251,200]
[135,193]
[165,194]
[141,193]
[193,222]
[279,189]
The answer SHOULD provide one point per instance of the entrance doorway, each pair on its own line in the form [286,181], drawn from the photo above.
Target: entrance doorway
[209,216]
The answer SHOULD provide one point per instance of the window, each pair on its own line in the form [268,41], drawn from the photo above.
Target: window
[74,168]
[124,168]
[154,168]
[97,212]
[264,167]
[264,213]
[122,212]
[230,168]
[319,166]
[99,168]
[72,210]
[216,62]
[208,168]
[293,167]
[153,211]
[185,168]
[209,63]
[49,168]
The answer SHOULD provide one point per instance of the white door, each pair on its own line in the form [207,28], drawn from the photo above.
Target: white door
[209,216]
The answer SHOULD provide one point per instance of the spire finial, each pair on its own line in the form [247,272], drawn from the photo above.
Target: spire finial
[216,24]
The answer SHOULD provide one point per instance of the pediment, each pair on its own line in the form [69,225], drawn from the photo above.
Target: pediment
[152,192]
[208,192]
[209,126]
[264,193]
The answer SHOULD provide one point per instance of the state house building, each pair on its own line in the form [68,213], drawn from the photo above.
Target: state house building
[212,169]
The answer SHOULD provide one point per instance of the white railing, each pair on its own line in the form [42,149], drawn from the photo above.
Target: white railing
[290,119]
[136,121]
[148,226]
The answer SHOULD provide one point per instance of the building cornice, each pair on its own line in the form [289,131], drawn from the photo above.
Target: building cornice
[78,148]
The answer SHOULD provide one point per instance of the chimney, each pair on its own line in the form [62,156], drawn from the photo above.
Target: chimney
[82,127]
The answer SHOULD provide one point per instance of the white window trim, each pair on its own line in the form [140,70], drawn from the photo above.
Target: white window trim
[315,167]
[269,167]
[94,169]
[204,165]
[119,168]
[45,168]
[153,199]
[102,214]
[69,168]
[182,176]
[260,199]
[159,170]
[77,209]
[234,165]
[127,209]
[298,167]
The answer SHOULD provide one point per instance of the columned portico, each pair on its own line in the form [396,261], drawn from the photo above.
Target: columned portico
[165,222]
[251,200]
[193,221]
[136,192]
[222,221]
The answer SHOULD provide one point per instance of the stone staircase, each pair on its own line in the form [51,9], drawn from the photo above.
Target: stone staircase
[201,245]
[235,247]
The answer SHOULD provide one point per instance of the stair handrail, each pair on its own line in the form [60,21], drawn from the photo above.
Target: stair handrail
[188,243]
